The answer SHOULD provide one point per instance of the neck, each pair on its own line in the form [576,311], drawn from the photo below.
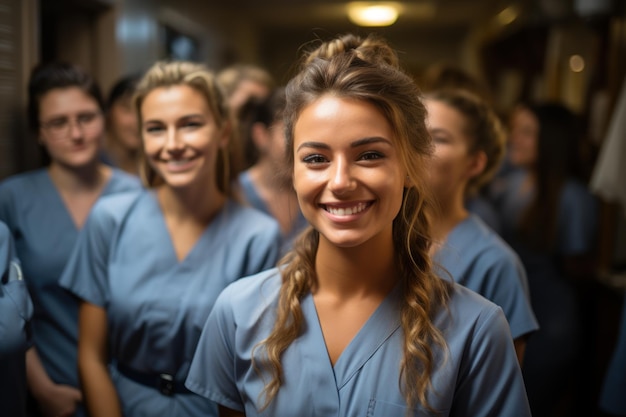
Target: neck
[355,272]
[88,177]
[450,212]
[189,204]
[269,176]
[124,158]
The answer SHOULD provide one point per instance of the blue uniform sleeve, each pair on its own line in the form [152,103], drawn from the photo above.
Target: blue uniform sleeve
[265,249]
[507,286]
[578,217]
[490,381]
[212,374]
[7,205]
[85,274]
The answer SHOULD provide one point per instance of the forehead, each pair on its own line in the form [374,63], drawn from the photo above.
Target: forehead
[67,100]
[333,119]
[174,99]
[443,115]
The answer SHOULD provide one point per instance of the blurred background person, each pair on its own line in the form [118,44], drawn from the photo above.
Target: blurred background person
[444,76]
[45,209]
[149,265]
[469,143]
[16,310]
[122,144]
[267,185]
[613,392]
[550,220]
[241,83]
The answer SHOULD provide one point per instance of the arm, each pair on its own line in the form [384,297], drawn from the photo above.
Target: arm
[227,412]
[100,395]
[520,348]
[53,399]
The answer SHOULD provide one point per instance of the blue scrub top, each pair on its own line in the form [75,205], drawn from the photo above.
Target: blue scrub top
[16,311]
[477,258]
[253,198]
[157,305]
[44,235]
[613,393]
[479,377]
[552,354]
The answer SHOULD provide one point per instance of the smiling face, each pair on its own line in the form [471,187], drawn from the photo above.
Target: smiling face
[71,126]
[524,133]
[453,164]
[347,174]
[123,123]
[181,137]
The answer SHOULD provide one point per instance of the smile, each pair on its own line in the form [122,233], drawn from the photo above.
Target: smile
[178,162]
[347,211]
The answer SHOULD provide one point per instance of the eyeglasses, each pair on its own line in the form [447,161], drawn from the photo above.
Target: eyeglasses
[60,127]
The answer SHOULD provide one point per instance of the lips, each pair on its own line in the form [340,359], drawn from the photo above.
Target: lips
[175,165]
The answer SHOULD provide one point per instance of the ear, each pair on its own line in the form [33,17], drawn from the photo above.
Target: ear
[407,182]
[260,136]
[477,164]
[225,136]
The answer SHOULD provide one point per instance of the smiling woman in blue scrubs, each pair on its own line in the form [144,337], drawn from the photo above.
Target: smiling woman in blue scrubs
[356,322]
[45,209]
[150,264]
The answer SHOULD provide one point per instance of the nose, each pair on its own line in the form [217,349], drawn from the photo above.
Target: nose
[342,179]
[173,141]
[76,130]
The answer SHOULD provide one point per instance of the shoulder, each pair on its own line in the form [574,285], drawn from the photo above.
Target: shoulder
[113,207]
[251,295]
[477,239]
[575,192]
[467,313]
[5,234]
[122,181]
[19,182]
[250,219]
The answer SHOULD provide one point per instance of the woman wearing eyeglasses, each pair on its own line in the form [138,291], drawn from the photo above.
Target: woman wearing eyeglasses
[45,209]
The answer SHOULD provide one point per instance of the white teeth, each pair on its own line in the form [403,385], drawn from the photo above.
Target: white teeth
[347,211]
[178,162]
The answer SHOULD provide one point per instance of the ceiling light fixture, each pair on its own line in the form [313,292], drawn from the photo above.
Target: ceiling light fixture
[367,13]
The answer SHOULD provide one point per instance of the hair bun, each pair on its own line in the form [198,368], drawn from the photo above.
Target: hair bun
[370,49]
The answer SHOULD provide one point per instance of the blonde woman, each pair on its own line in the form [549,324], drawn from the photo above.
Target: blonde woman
[355,322]
[149,265]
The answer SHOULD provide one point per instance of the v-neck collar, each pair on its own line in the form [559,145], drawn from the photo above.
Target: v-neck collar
[55,195]
[383,322]
[210,230]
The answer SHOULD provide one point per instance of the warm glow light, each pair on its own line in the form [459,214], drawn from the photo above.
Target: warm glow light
[374,13]
[576,63]
[507,16]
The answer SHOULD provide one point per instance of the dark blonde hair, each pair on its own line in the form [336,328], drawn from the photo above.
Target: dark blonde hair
[482,126]
[367,70]
[201,79]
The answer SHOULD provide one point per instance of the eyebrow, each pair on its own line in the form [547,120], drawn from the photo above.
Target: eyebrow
[355,144]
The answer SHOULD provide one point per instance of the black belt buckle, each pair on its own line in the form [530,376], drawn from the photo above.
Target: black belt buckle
[166,384]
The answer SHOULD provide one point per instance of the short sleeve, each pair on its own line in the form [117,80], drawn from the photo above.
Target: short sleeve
[508,288]
[212,373]
[265,249]
[577,220]
[7,208]
[85,274]
[490,381]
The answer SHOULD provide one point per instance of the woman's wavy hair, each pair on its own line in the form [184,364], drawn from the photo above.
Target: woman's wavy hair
[367,69]
[201,79]
[482,126]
